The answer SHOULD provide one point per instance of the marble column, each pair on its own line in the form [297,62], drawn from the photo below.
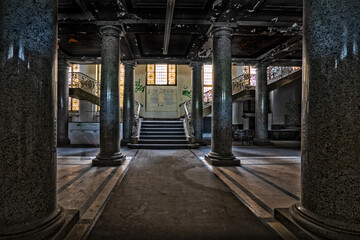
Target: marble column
[197,101]
[330,192]
[221,126]
[128,103]
[110,154]
[261,106]
[28,40]
[63,103]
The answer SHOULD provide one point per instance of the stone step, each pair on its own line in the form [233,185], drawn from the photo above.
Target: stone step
[169,137]
[162,146]
[162,122]
[161,125]
[162,129]
[162,141]
[161,133]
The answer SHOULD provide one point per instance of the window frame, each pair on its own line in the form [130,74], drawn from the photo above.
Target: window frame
[167,75]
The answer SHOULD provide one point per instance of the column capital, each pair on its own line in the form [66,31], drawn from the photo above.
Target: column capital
[110,30]
[196,64]
[129,63]
[262,64]
[222,31]
[62,62]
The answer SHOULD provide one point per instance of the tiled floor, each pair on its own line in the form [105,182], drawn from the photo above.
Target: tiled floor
[85,188]
[268,178]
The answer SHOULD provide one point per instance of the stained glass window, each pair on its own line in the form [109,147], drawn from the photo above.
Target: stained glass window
[150,74]
[161,74]
[172,74]
[73,82]
[208,77]
[121,84]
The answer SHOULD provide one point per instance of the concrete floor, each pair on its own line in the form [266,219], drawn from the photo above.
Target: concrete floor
[172,194]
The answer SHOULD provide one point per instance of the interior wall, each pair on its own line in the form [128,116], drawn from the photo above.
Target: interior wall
[152,97]
[280,96]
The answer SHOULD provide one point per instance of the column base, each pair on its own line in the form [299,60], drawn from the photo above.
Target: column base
[48,228]
[115,160]
[322,226]
[124,142]
[63,142]
[216,159]
[201,143]
[262,143]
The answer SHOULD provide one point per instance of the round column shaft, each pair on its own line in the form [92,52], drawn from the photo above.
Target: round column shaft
[261,106]
[129,98]
[110,154]
[63,103]
[221,126]
[28,40]
[330,192]
[197,101]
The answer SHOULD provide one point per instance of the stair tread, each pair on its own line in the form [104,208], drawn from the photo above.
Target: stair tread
[162,146]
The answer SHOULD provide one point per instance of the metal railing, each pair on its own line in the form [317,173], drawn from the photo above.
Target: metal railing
[137,122]
[275,73]
[246,81]
[88,84]
[189,129]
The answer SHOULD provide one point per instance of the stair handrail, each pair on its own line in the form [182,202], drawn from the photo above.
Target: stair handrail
[137,122]
[242,82]
[275,73]
[189,129]
[85,82]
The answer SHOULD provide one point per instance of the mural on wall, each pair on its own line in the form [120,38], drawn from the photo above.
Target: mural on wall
[139,87]
[186,92]
[161,99]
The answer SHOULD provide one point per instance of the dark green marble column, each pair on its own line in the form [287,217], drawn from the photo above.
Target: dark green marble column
[261,106]
[330,148]
[129,98]
[63,103]
[28,205]
[221,126]
[110,154]
[197,101]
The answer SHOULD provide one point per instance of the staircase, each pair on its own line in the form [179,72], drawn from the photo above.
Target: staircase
[162,134]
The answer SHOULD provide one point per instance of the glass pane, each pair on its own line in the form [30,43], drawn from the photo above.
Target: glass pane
[150,74]
[172,74]
[207,89]
[121,84]
[161,74]
[208,75]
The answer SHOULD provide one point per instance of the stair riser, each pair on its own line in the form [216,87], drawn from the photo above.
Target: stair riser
[161,126]
[162,130]
[162,133]
[163,137]
[162,142]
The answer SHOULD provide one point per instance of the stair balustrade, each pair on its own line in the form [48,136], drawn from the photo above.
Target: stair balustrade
[86,83]
[189,129]
[242,82]
[137,123]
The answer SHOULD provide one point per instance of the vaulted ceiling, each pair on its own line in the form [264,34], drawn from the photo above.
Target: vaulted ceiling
[264,30]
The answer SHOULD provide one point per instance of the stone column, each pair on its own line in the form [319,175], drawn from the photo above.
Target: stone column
[261,106]
[110,154]
[28,40]
[197,101]
[63,103]
[221,126]
[330,192]
[128,103]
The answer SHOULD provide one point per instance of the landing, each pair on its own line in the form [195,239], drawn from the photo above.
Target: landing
[170,194]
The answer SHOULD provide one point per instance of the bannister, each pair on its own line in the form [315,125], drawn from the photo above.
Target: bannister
[88,84]
[243,82]
[189,130]
[137,123]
